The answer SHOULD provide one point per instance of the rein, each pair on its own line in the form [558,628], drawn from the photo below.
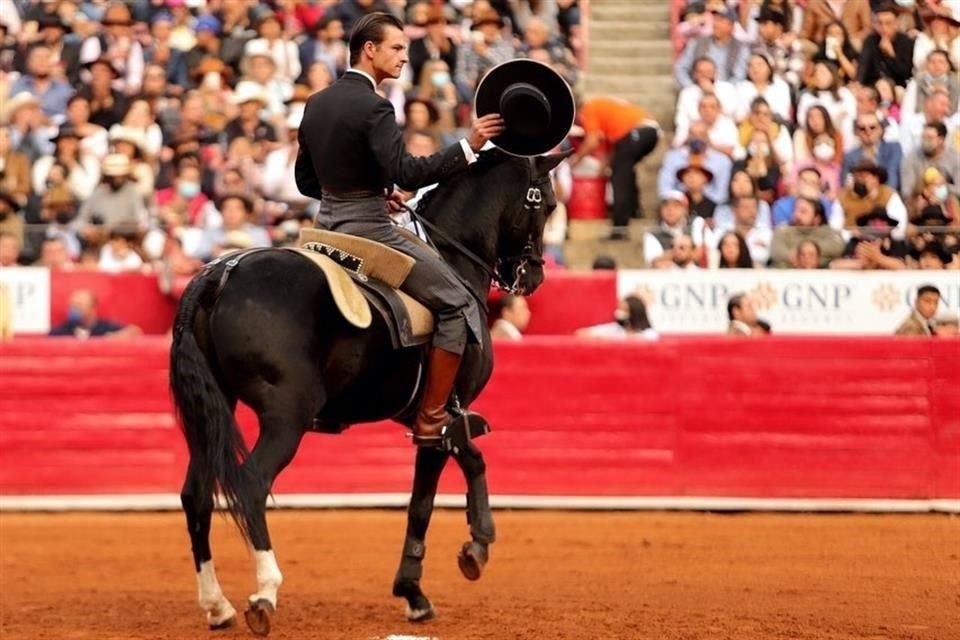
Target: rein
[532,201]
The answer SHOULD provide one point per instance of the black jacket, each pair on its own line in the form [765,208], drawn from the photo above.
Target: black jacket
[350,141]
[875,64]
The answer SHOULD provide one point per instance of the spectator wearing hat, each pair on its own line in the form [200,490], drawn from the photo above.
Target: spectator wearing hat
[434,45]
[867,192]
[694,179]
[237,210]
[872,245]
[938,73]
[886,52]
[283,51]
[51,91]
[932,154]
[14,169]
[53,32]
[69,166]
[696,152]
[107,104]
[131,143]
[250,97]
[259,66]
[675,221]
[25,123]
[746,211]
[486,48]
[729,55]
[819,14]
[717,129]
[936,108]
[783,53]
[630,134]
[208,46]
[327,46]
[762,81]
[941,31]
[115,202]
[809,224]
[11,222]
[117,46]
[58,210]
[920,322]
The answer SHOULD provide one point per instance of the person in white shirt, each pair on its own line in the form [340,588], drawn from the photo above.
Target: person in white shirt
[936,108]
[675,222]
[719,130]
[762,81]
[704,81]
[745,212]
[630,322]
[118,256]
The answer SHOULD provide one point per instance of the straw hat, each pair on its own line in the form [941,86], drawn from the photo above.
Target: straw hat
[249,91]
[116,164]
[20,101]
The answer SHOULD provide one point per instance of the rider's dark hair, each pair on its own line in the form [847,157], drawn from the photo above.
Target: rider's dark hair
[370,28]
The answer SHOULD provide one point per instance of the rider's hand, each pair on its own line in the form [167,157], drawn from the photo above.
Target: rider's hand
[395,202]
[489,126]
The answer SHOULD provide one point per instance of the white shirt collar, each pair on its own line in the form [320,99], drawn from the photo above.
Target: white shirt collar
[366,75]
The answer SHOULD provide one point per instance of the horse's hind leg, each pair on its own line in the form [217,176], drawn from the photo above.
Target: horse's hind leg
[280,435]
[197,501]
[474,554]
[429,465]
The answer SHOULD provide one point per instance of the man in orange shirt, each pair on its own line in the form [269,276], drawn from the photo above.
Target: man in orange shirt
[630,134]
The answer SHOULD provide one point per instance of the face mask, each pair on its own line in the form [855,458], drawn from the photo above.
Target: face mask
[941,192]
[63,217]
[74,315]
[621,317]
[211,80]
[188,189]
[929,150]
[860,189]
[758,149]
[905,3]
[116,183]
[823,152]
[440,79]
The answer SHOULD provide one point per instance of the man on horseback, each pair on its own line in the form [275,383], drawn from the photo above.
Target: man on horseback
[351,155]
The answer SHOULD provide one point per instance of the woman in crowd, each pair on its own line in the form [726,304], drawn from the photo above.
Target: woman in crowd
[69,166]
[817,123]
[741,185]
[734,252]
[837,48]
[762,165]
[629,321]
[763,82]
[826,91]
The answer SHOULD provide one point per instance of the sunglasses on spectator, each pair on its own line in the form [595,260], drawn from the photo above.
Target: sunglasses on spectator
[867,127]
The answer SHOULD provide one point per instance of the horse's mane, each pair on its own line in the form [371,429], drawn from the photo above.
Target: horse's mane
[487,160]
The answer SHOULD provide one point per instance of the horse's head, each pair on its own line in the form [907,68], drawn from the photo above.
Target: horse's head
[519,242]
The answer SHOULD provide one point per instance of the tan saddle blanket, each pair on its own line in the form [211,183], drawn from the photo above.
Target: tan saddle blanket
[336,253]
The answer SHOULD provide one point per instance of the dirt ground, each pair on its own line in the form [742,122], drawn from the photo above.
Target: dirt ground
[552,575]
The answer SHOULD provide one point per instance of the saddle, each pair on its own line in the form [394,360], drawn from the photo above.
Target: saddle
[364,276]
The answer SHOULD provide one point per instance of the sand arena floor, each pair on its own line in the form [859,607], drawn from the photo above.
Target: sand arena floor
[552,575]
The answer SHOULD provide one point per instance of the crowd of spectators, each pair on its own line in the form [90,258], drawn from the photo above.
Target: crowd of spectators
[813,134]
[158,134]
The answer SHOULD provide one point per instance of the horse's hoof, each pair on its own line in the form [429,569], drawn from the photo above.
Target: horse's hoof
[472,559]
[224,624]
[421,615]
[258,616]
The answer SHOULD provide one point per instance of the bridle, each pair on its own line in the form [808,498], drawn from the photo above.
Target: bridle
[533,200]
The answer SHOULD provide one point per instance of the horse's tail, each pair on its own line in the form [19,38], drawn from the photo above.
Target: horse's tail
[205,416]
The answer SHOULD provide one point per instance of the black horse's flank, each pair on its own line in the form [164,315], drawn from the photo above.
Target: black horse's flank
[271,337]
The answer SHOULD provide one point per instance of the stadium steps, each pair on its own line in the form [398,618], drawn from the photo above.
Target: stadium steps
[630,56]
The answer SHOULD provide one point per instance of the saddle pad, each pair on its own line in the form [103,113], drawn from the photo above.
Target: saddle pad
[366,257]
[410,323]
[421,319]
[346,294]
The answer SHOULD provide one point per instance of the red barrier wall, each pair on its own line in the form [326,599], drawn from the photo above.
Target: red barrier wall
[129,298]
[688,417]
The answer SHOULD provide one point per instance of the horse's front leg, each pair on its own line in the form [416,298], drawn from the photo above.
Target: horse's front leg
[429,465]
[475,553]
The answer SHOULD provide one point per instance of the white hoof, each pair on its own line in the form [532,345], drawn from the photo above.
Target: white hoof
[222,615]
[421,615]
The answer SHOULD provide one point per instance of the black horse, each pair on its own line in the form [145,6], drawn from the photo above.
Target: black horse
[269,335]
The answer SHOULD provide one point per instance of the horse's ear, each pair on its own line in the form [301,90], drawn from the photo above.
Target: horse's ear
[546,164]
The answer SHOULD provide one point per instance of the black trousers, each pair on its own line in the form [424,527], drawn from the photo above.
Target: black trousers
[627,152]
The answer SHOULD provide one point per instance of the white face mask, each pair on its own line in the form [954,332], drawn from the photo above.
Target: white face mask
[941,192]
[211,80]
[824,152]
[758,149]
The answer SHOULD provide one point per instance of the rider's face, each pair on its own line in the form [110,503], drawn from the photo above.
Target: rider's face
[390,55]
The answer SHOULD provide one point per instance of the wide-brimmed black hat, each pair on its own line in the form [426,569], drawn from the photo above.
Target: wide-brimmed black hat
[536,104]
[867,166]
[877,216]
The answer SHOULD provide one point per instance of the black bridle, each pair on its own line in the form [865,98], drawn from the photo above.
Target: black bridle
[532,201]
